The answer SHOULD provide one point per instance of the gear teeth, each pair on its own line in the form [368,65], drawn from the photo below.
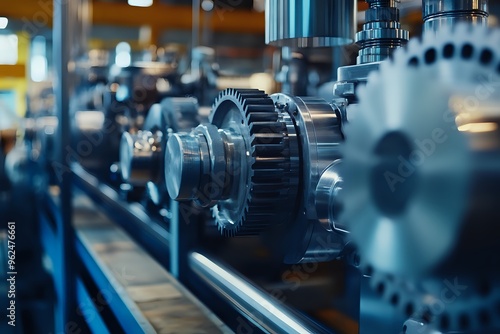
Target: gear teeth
[495,37]
[416,297]
[398,55]
[255,101]
[263,175]
[429,37]
[267,127]
[262,116]
[463,30]
[263,138]
[267,162]
[271,167]
[266,150]
[413,46]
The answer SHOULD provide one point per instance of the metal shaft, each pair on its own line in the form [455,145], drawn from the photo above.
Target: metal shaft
[446,13]
[305,23]
[381,33]
[268,314]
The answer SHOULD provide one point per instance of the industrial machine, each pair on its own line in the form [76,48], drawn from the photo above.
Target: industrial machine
[374,211]
[402,163]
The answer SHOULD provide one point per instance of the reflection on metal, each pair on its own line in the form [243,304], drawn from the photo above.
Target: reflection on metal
[256,305]
[251,153]
[304,23]
[327,193]
[140,157]
[382,32]
[439,14]
[413,326]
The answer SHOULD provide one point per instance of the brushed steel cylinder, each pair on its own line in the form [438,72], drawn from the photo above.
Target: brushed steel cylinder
[305,23]
[438,14]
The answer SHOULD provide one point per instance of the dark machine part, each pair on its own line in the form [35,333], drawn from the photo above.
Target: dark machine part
[439,14]
[140,87]
[103,111]
[140,157]
[249,163]
[303,23]
[180,113]
[247,143]
[95,139]
[141,153]
[40,140]
[381,33]
[420,194]
[381,36]
[201,80]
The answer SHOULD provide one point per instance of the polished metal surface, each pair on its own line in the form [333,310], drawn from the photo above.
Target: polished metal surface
[264,311]
[382,32]
[304,23]
[142,153]
[258,165]
[237,163]
[319,126]
[195,165]
[320,136]
[439,14]
[356,72]
[140,157]
[327,202]
[182,166]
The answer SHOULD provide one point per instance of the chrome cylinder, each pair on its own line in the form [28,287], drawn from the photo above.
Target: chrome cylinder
[196,165]
[446,13]
[382,32]
[327,193]
[266,313]
[140,157]
[304,23]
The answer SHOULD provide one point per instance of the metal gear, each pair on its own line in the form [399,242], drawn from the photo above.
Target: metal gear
[252,160]
[452,304]
[268,136]
[421,173]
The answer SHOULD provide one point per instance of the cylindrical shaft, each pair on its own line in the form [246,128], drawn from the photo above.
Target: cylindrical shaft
[445,13]
[305,23]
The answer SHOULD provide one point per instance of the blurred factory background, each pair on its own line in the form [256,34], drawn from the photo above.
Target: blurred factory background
[249,166]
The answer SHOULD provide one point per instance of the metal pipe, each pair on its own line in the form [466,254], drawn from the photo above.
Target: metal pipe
[195,34]
[255,304]
[64,280]
[305,23]
[446,13]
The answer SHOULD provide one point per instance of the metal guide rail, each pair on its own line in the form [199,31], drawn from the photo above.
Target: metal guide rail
[231,296]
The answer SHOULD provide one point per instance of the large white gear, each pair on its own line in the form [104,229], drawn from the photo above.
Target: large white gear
[426,131]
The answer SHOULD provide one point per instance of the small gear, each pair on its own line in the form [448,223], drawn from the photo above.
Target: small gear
[266,132]
[421,172]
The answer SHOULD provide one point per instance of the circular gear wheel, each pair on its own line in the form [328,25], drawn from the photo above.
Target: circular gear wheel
[454,304]
[268,169]
[421,168]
